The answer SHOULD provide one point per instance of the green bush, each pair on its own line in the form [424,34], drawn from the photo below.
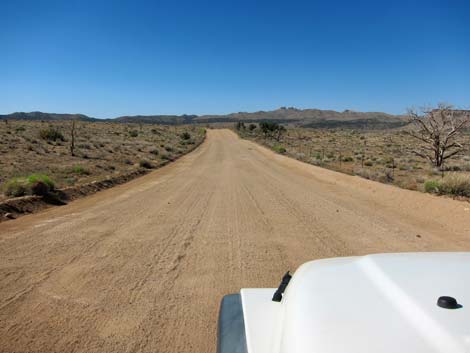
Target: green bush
[51,134]
[35,184]
[185,136]
[279,149]
[432,186]
[16,187]
[347,159]
[133,133]
[33,178]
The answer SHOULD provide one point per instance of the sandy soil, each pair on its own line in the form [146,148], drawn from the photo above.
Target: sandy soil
[142,267]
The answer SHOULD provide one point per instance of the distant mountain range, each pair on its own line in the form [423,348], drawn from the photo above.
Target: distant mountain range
[314,118]
[45,116]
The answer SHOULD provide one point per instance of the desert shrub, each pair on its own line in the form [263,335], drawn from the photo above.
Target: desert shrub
[78,169]
[145,164]
[409,184]
[20,129]
[155,151]
[251,127]
[51,134]
[169,148]
[16,187]
[431,186]
[452,168]
[388,160]
[33,178]
[455,184]
[347,159]
[240,125]
[367,174]
[466,167]
[35,184]
[279,149]
[165,156]
[39,188]
[133,133]
[185,136]
[368,163]
[271,129]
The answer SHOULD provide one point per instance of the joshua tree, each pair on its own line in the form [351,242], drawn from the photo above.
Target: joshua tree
[437,130]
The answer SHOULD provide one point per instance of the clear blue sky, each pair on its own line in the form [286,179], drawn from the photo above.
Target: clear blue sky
[110,58]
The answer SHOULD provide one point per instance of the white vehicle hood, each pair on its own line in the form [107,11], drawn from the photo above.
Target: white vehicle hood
[377,303]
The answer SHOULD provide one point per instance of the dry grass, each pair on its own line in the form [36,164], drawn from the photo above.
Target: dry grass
[101,149]
[456,184]
[384,156]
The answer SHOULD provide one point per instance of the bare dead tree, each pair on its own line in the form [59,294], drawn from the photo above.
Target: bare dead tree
[72,139]
[438,130]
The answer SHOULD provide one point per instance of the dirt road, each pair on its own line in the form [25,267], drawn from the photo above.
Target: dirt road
[142,267]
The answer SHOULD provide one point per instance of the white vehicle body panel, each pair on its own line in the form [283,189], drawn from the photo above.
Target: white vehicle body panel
[377,303]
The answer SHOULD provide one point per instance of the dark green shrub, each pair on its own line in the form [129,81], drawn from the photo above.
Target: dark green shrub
[240,125]
[272,129]
[432,186]
[185,136]
[39,188]
[133,133]
[145,164]
[51,134]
